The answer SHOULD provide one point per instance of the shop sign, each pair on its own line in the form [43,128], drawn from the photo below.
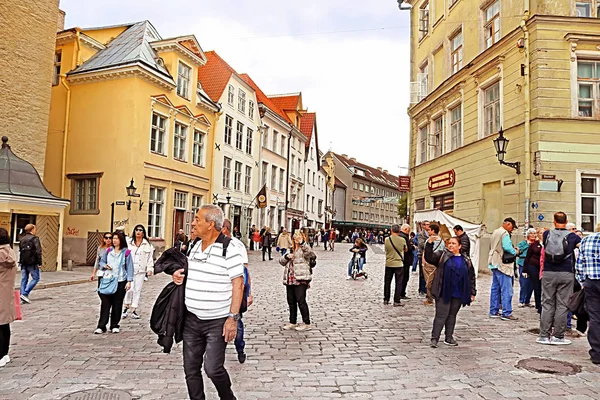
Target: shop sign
[404,184]
[442,181]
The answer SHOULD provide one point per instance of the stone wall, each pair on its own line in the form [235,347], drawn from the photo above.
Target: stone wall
[26,61]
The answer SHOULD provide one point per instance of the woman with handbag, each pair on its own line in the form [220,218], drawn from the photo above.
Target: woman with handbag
[297,276]
[143,265]
[117,265]
[8,270]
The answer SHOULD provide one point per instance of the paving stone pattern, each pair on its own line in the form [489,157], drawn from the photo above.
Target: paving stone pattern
[359,349]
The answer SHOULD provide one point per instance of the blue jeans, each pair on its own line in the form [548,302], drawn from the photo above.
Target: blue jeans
[26,286]
[501,293]
[240,343]
[361,262]
[415,260]
[526,288]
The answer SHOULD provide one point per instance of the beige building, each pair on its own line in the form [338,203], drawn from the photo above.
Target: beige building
[529,68]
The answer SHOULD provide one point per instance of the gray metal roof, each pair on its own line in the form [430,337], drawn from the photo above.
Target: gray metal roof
[20,178]
[129,47]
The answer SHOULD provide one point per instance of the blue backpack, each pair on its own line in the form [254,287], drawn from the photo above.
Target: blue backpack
[109,284]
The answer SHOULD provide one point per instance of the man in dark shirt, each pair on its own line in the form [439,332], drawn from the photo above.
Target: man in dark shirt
[557,284]
[465,242]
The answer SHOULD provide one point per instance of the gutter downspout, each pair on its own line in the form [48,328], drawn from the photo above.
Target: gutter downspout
[287,178]
[527,116]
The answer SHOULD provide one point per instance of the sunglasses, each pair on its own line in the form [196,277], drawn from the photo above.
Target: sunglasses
[139,230]
[107,237]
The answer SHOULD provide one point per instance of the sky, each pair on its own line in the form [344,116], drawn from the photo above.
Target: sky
[350,59]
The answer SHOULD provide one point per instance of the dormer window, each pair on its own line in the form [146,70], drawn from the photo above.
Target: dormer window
[183,80]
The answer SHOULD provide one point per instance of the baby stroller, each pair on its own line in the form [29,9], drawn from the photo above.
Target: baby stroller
[356,271]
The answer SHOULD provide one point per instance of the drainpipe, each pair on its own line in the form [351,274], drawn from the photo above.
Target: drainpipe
[527,115]
[287,178]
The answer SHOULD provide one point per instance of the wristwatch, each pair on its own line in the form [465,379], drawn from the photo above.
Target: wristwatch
[236,317]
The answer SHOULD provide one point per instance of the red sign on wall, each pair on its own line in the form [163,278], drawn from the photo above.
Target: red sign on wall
[404,184]
[442,181]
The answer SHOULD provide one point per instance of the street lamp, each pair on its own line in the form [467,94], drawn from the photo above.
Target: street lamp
[228,197]
[501,144]
[131,193]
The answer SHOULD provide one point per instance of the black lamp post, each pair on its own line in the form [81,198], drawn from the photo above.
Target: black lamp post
[501,144]
[130,193]
[228,197]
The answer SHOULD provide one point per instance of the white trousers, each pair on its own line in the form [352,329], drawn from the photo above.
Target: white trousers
[132,297]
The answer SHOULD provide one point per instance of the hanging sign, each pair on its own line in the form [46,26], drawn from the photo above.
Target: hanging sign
[404,184]
[442,181]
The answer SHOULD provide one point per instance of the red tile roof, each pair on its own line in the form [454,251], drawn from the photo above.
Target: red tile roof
[215,75]
[371,174]
[287,102]
[307,123]
[261,97]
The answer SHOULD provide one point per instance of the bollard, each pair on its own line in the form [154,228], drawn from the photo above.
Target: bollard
[69,265]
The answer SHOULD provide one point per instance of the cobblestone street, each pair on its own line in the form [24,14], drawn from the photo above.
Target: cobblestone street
[358,349]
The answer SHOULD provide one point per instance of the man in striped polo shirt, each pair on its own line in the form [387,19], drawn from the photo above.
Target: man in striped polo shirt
[213,293]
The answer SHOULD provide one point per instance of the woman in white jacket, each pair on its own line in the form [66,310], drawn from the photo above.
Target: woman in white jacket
[143,263]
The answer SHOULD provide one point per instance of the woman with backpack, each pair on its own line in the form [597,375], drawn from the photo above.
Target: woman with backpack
[142,253]
[117,264]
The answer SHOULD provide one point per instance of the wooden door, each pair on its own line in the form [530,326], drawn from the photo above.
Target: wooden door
[47,230]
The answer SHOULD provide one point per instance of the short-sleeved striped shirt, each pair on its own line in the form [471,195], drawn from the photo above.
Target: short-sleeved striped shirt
[208,287]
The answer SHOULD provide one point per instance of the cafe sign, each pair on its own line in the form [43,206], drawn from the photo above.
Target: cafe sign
[404,184]
[442,181]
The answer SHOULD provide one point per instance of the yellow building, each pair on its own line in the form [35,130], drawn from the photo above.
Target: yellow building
[126,105]
[529,67]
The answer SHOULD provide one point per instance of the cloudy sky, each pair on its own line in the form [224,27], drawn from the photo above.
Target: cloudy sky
[350,59]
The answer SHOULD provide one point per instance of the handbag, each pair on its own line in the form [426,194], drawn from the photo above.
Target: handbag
[508,258]
[576,303]
[108,284]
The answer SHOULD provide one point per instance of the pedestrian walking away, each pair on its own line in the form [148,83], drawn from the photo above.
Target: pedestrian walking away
[453,287]
[297,275]
[106,243]
[531,267]
[434,247]
[588,275]
[117,265]
[213,295]
[266,241]
[142,253]
[501,261]
[8,271]
[395,248]
[408,259]
[325,239]
[30,259]
[557,283]
[332,239]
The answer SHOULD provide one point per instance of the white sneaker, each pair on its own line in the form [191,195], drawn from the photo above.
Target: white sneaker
[557,341]
[4,360]
[135,315]
[304,327]
[125,313]
[542,340]
[25,299]
[115,330]
[521,305]
[348,277]
[98,331]
[289,327]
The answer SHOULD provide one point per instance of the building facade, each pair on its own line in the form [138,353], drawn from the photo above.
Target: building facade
[237,154]
[127,113]
[314,188]
[527,68]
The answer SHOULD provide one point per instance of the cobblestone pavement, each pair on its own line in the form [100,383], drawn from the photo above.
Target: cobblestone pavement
[359,349]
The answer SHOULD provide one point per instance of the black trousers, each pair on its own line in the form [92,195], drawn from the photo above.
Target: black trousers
[582,320]
[266,249]
[592,306]
[203,342]
[445,316]
[397,274]
[251,244]
[112,305]
[4,339]
[405,278]
[534,277]
[296,298]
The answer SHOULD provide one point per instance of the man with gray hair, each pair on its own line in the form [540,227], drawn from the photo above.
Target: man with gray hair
[213,294]
[395,249]
[408,259]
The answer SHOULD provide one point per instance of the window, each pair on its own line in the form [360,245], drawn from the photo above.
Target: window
[251,109]
[230,95]
[491,109]
[273,177]
[274,148]
[226,172]
[183,80]
[84,194]
[423,81]
[354,214]
[585,8]
[57,62]
[282,146]
[198,151]
[237,176]
[264,173]
[590,202]
[281,179]
[423,20]
[367,188]
[354,185]
[299,167]
[456,48]
[241,101]
[419,204]
[361,215]
[312,204]
[423,133]
[456,127]
[249,133]
[437,138]
[239,136]
[491,28]
[314,179]
[247,179]
[155,212]
[307,202]
[361,187]
[180,200]
[157,134]
[588,88]
[196,203]
[293,142]
[265,138]
[179,140]
[444,202]
[228,129]
[320,209]
[292,165]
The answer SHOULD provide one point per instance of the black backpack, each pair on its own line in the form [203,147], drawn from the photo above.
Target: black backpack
[27,252]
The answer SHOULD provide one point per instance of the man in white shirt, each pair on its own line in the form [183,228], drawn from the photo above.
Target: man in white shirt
[213,294]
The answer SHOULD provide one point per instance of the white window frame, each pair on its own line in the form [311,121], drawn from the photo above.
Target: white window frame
[184,80]
[230,95]
[423,79]
[424,20]
[456,126]
[249,140]
[265,171]
[265,137]
[156,211]
[159,131]
[180,200]
[492,22]
[198,148]
[436,140]
[251,109]
[423,143]
[247,179]
[239,135]
[241,101]
[226,172]
[580,174]
[281,180]
[237,176]
[456,51]
[282,141]
[493,104]
[228,134]
[196,202]
[273,177]
[274,144]
[180,141]
[593,83]
[593,7]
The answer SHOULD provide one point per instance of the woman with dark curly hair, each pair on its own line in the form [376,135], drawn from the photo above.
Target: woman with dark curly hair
[8,270]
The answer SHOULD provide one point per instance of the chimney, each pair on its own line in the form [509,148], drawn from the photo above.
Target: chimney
[380,169]
[61,21]
[352,159]
[345,155]
[385,171]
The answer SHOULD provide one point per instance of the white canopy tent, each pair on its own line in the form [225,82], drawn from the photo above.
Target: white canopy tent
[473,231]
